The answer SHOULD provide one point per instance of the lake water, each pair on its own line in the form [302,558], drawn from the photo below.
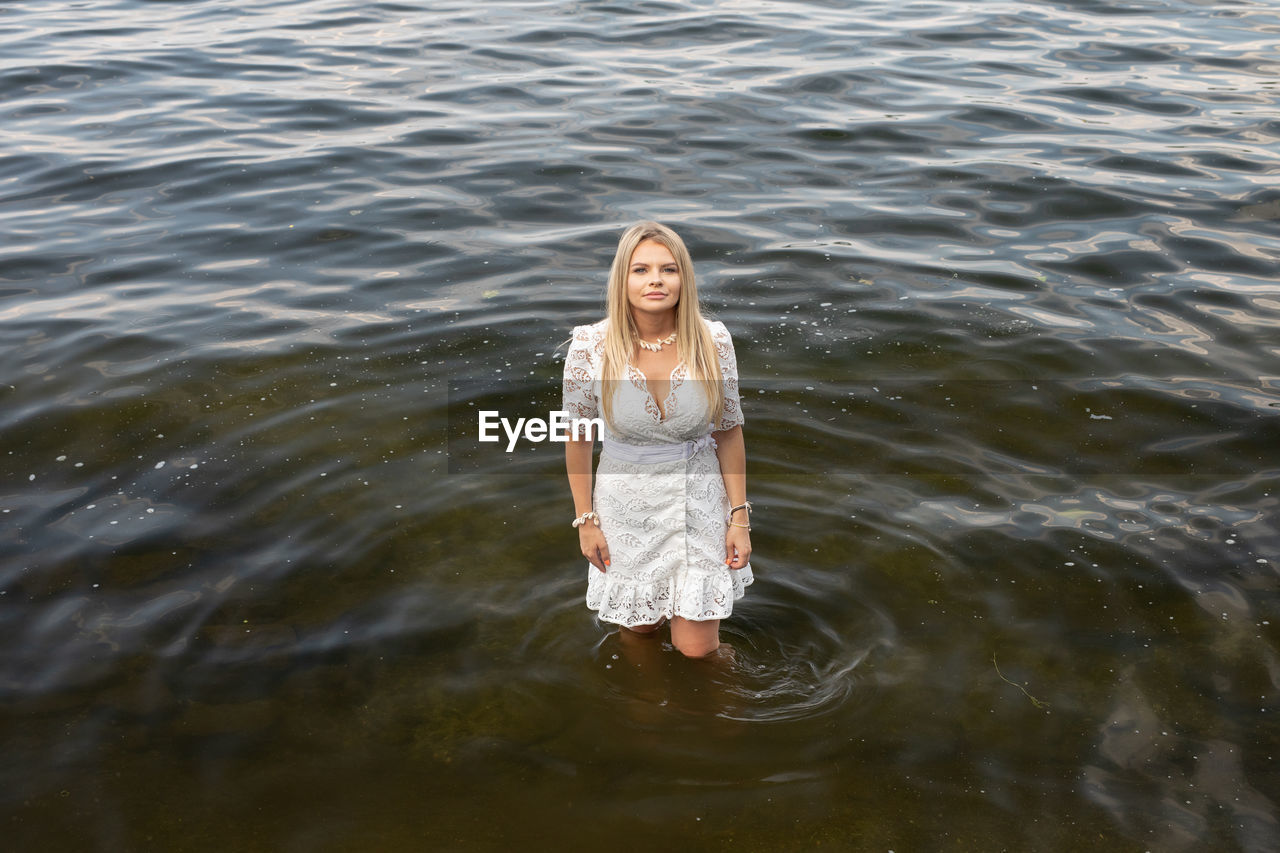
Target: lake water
[1002,281]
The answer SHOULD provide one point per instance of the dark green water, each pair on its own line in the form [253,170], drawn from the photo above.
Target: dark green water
[1002,281]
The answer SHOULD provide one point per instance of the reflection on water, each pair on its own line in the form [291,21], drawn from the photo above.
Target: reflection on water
[1002,284]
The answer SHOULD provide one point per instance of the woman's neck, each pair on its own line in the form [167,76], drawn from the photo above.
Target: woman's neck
[652,328]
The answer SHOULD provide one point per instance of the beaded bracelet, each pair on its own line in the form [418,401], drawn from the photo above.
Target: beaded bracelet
[585,517]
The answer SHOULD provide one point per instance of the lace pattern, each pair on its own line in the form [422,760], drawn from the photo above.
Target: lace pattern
[664,522]
[685,403]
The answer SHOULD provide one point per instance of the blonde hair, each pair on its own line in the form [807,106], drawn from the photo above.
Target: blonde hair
[694,346]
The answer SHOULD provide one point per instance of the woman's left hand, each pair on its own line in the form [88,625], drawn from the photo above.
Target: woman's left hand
[737,547]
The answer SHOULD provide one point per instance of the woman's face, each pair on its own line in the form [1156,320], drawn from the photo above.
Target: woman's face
[653,279]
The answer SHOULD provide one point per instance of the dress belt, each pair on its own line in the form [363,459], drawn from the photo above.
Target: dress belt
[652,453]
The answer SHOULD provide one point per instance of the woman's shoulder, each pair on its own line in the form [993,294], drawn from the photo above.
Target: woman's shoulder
[718,330]
[589,337]
[591,331]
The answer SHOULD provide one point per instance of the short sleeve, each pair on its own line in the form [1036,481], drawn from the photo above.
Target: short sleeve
[732,415]
[579,397]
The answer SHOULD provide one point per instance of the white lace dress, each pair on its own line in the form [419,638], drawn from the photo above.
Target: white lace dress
[664,522]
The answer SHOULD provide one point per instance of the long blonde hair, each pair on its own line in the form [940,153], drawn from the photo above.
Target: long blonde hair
[693,340]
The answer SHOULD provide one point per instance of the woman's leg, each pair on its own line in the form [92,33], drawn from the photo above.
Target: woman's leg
[639,647]
[695,639]
[645,629]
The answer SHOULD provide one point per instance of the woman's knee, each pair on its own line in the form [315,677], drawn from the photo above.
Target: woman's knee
[695,639]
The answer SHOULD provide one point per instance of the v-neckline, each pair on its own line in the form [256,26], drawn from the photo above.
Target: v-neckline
[663,407]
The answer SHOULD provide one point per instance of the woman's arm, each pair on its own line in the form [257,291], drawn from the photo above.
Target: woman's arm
[577,461]
[731,450]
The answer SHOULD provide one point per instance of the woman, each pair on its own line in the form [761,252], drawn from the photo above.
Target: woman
[666,529]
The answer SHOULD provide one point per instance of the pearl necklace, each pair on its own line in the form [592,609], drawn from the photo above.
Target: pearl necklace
[657,345]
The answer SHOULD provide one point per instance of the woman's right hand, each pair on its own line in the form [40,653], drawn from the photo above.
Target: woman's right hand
[594,548]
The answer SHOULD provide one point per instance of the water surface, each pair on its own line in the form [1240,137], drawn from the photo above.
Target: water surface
[1002,282]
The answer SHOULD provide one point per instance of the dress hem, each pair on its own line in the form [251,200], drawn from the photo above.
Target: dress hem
[739,579]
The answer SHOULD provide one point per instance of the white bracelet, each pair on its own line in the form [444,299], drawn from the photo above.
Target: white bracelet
[585,517]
